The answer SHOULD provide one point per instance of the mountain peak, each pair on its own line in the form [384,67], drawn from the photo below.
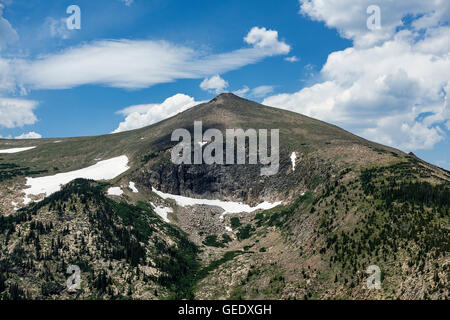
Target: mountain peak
[226,96]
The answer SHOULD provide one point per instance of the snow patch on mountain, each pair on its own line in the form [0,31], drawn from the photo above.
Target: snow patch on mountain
[16,150]
[103,170]
[133,188]
[115,191]
[293,157]
[228,206]
[162,212]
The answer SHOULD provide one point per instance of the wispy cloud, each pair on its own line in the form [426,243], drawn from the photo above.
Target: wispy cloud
[57,28]
[127,2]
[261,91]
[258,92]
[7,33]
[292,59]
[135,64]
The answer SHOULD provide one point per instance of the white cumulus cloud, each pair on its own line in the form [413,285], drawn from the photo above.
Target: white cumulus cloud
[139,116]
[392,86]
[267,39]
[214,84]
[29,135]
[349,17]
[17,112]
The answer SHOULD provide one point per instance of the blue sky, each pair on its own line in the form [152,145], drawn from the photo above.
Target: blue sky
[166,56]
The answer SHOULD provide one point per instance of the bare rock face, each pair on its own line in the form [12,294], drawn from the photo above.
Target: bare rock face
[229,182]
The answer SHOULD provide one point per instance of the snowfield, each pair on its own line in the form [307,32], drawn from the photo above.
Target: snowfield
[162,212]
[16,150]
[115,191]
[103,170]
[293,157]
[227,206]
[133,188]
